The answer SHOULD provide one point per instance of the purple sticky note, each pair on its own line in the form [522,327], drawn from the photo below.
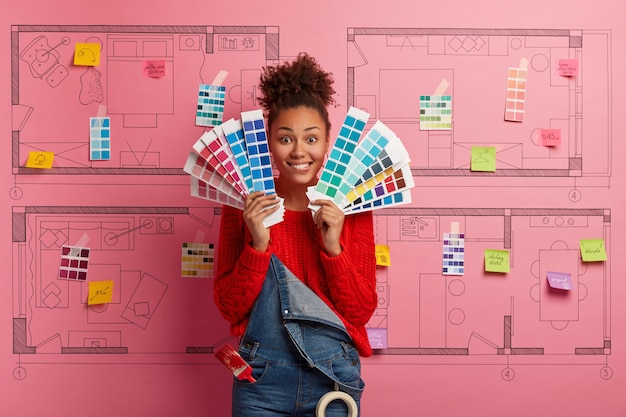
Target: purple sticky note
[560,280]
[377,337]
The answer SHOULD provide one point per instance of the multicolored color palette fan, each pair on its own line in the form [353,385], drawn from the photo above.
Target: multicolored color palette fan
[233,159]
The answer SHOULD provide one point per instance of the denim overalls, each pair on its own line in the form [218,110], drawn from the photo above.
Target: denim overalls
[299,350]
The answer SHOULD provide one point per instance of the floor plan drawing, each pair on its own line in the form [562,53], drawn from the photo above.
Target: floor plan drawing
[121,240]
[146,113]
[473,63]
[525,321]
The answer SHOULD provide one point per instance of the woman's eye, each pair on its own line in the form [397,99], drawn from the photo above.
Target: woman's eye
[312,139]
[285,139]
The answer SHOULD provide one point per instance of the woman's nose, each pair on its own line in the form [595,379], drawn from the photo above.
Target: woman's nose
[298,148]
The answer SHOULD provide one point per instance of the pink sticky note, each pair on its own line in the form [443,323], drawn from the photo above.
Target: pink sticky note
[568,67]
[550,137]
[559,280]
[154,68]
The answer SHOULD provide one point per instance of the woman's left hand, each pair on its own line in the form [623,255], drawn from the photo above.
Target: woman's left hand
[329,220]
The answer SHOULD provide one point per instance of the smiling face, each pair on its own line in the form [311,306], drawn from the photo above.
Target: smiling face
[298,140]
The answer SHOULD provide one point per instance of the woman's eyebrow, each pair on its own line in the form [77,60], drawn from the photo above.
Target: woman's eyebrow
[307,129]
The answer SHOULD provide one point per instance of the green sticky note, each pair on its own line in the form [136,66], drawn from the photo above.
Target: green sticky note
[497,260]
[483,158]
[592,250]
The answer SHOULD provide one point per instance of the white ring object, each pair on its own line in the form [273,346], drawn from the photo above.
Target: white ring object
[320,410]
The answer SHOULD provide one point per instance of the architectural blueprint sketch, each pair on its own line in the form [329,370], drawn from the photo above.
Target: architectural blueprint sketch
[488,341]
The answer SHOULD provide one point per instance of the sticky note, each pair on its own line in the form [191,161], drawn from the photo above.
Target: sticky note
[592,250]
[377,337]
[497,260]
[154,68]
[568,67]
[41,160]
[87,54]
[550,137]
[100,292]
[559,280]
[382,255]
[483,158]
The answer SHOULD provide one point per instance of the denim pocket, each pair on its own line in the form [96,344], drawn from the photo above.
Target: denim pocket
[347,370]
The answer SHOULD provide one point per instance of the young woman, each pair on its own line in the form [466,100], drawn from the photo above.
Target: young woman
[300,292]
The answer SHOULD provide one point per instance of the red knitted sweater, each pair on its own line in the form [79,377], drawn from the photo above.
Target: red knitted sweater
[347,283]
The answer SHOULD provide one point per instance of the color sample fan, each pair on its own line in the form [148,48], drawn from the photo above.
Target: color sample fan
[367,174]
[233,159]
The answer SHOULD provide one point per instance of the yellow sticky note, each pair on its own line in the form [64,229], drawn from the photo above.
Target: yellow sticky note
[100,292]
[382,255]
[497,260]
[87,54]
[41,160]
[483,158]
[592,250]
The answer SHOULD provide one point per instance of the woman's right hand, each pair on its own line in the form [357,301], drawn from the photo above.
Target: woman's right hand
[258,207]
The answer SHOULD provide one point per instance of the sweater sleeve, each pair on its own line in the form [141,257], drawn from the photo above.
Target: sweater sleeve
[241,269]
[352,274]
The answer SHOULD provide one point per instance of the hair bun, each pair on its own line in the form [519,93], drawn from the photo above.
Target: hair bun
[295,83]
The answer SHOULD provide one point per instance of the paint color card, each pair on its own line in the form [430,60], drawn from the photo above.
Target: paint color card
[217,153]
[261,175]
[228,160]
[210,110]
[453,254]
[200,168]
[393,191]
[392,158]
[197,260]
[74,263]
[497,260]
[386,201]
[516,94]
[99,138]
[339,156]
[202,189]
[365,154]
[233,131]
[435,112]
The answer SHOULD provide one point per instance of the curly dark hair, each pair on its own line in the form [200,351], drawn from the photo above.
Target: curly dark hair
[302,82]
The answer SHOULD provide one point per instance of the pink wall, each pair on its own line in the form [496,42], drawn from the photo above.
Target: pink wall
[473,344]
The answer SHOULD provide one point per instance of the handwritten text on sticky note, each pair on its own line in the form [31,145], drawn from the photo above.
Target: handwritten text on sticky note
[497,260]
[568,67]
[100,292]
[483,158]
[382,255]
[87,54]
[154,68]
[592,250]
[559,280]
[41,160]
[550,137]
